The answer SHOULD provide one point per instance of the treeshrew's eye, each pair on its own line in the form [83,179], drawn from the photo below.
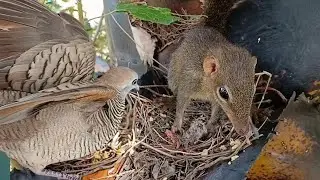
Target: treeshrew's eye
[134,82]
[224,93]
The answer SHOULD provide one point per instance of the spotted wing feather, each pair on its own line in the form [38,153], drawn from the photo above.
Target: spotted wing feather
[80,95]
[41,49]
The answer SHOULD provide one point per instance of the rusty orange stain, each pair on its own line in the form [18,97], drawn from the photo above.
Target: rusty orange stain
[316,83]
[314,90]
[283,156]
[107,174]
[98,175]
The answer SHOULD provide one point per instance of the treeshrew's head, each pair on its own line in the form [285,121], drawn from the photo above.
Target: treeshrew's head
[229,73]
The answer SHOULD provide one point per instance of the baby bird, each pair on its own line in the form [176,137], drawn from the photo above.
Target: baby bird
[66,122]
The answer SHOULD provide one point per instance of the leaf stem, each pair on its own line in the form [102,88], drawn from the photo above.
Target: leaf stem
[98,29]
[104,15]
[80,12]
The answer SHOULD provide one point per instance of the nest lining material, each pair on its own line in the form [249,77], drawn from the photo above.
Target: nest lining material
[146,148]
[153,152]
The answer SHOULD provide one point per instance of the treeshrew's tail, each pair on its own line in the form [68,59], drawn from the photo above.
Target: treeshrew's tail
[217,12]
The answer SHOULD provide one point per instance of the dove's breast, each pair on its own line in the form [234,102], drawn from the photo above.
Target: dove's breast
[54,135]
[60,132]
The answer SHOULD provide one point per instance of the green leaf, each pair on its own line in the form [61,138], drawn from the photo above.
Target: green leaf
[71,10]
[148,13]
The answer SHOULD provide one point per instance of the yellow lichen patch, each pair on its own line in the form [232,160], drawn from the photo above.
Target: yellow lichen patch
[15,165]
[284,156]
[314,92]
[316,83]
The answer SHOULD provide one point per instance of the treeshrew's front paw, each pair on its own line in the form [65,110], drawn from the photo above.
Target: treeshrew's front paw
[211,127]
[176,127]
[212,124]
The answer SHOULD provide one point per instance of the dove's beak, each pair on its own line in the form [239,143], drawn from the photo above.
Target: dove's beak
[135,88]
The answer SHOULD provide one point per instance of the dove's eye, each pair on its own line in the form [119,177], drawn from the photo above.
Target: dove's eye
[134,82]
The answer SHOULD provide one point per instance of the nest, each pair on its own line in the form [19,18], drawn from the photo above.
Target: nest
[167,34]
[147,149]
[163,154]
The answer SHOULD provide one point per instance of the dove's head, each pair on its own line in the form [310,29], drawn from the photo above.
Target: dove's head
[123,79]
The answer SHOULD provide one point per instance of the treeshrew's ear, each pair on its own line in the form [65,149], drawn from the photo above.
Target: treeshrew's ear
[210,65]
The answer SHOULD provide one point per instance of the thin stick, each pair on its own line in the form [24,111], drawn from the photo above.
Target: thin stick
[266,119]
[103,14]
[205,166]
[161,95]
[120,174]
[160,136]
[151,86]
[265,101]
[265,91]
[181,152]
[158,150]
[98,29]
[272,89]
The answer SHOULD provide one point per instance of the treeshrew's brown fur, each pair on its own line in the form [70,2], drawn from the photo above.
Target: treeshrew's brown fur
[233,68]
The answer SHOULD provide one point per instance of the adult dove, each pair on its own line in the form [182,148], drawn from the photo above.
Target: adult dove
[40,49]
[66,122]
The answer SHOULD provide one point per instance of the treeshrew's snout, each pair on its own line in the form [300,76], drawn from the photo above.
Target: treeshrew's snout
[244,128]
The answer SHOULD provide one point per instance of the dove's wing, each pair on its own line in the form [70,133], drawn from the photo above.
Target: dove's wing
[31,104]
[40,49]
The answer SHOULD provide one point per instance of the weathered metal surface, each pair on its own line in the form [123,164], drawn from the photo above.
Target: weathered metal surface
[122,48]
[292,152]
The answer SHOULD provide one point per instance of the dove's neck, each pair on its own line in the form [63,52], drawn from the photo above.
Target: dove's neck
[115,109]
[125,91]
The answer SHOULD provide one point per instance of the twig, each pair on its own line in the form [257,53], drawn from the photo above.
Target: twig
[98,29]
[180,152]
[266,119]
[205,166]
[272,89]
[265,91]
[160,136]
[152,86]
[158,150]
[120,174]
[103,14]
[265,101]
[161,95]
